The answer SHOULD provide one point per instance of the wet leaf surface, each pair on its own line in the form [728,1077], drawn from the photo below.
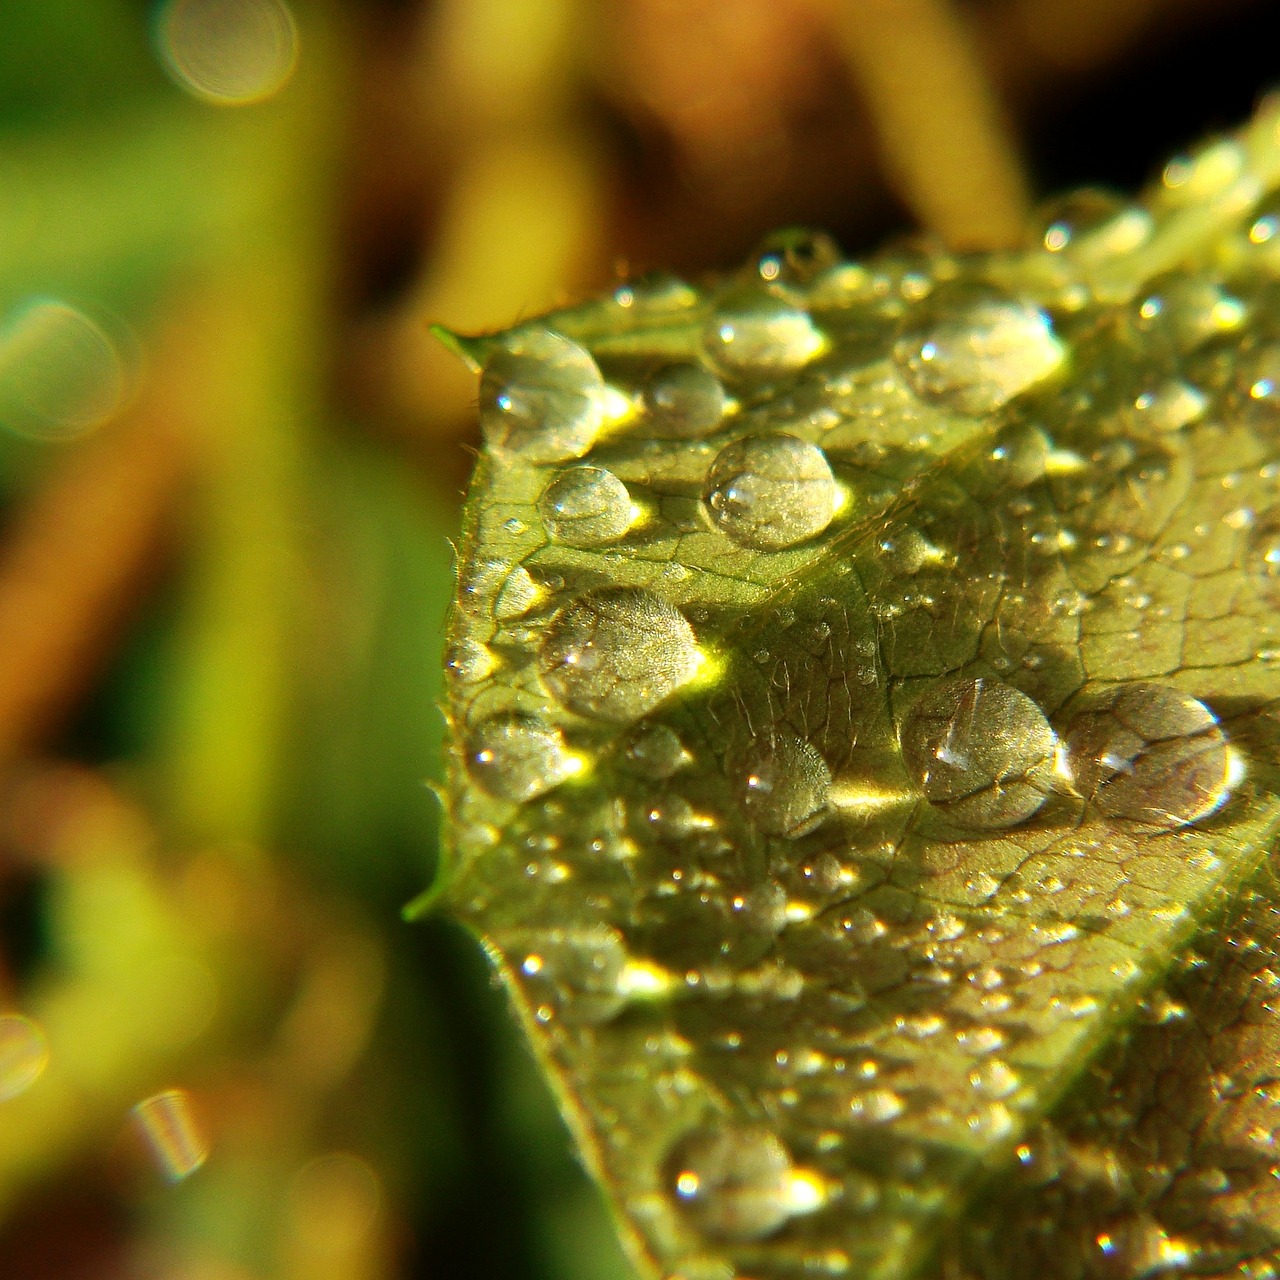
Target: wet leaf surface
[864,743]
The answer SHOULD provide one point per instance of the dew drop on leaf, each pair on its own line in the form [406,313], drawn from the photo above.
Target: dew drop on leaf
[542,398]
[770,492]
[732,1183]
[1093,224]
[974,349]
[982,752]
[682,402]
[586,507]
[517,757]
[655,751]
[753,332]
[795,257]
[1151,755]
[468,661]
[785,786]
[615,653]
[576,973]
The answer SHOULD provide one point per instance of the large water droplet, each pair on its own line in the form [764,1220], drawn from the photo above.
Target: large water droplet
[770,492]
[541,397]
[586,507]
[1186,310]
[616,653]
[982,752]
[1151,755]
[784,786]
[576,973]
[733,1183]
[976,350]
[682,402]
[517,757]
[753,332]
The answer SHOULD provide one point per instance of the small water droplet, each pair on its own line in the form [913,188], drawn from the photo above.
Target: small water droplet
[586,507]
[1199,177]
[542,398]
[1171,406]
[518,594]
[1151,755]
[1187,309]
[654,751]
[1093,225]
[876,1106]
[1264,555]
[615,653]
[468,661]
[975,349]
[784,786]
[752,332]
[682,402]
[770,492]
[518,757]
[795,257]
[735,1183]
[576,972]
[982,752]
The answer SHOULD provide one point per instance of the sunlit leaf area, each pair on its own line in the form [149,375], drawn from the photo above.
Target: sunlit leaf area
[849,855]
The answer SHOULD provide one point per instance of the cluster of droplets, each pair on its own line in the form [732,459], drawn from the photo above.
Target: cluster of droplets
[979,754]
[1146,755]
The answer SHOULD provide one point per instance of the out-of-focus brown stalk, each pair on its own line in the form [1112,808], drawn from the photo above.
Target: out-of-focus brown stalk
[75,560]
[943,136]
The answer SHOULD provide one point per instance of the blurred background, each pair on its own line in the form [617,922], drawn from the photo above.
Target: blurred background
[231,457]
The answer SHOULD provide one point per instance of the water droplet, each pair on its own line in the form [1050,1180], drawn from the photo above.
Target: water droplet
[876,1106]
[682,402]
[519,593]
[1198,178]
[1151,755]
[770,492]
[168,1124]
[752,332]
[468,661]
[1187,309]
[1264,555]
[24,1054]
[586,507]
[576,972]
[228,52]
[784,786]
[517,757]
[1171,406]
[734,1183]
[795,257]
[654,751]
[61,374]
[616,653]
[994,1079]
[975,349]
[1093,225]
[982,752]
[541,397]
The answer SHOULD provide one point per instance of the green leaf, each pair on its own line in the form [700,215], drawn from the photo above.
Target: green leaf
[863,699]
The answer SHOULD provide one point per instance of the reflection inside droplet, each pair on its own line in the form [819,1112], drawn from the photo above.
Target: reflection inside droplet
[24,1054]
[228,52]
[174,1136]
[61,375]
